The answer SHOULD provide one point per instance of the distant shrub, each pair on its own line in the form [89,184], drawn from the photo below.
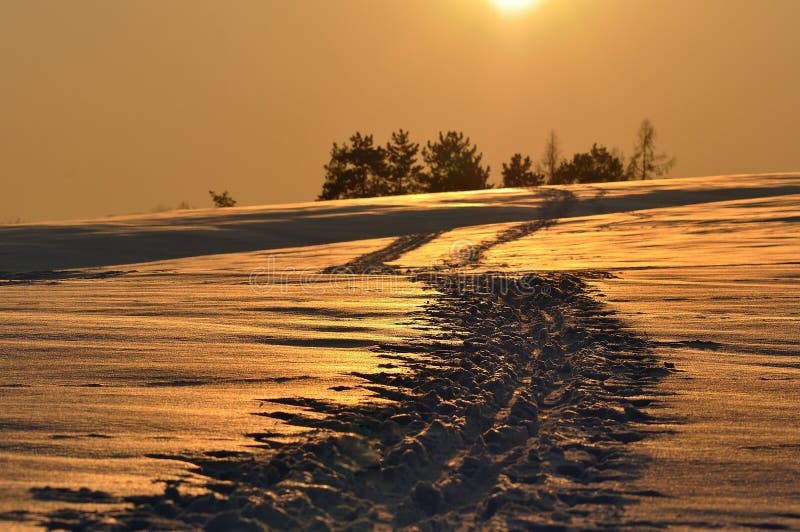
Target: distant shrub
[222,200]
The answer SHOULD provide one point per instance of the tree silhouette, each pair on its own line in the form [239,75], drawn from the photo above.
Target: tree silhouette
[454,164]
[356,170]
[222,200]
[518,173]
[596,166]
[551,157]
[403,173]
[369,163]
[645,162]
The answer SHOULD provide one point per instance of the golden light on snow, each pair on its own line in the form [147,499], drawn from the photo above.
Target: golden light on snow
[513,6]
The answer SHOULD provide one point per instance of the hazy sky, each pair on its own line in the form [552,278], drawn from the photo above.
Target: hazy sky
[119,106]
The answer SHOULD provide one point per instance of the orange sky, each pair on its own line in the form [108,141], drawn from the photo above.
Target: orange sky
[110,107]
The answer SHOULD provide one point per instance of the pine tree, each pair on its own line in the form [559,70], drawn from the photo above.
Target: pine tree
[596,166]
[403,173]
[518,173]
[355,170]
[336,175]
[454,164]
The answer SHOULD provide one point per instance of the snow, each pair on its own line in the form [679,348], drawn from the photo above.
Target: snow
[169,332]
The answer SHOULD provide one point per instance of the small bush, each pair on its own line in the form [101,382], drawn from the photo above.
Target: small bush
[222,200]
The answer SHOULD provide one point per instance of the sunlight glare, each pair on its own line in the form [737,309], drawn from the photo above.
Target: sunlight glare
[513,6]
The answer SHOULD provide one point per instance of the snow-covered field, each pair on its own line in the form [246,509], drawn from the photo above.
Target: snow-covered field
[190,349]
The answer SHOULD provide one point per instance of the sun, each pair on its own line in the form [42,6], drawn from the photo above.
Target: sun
[511,6]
